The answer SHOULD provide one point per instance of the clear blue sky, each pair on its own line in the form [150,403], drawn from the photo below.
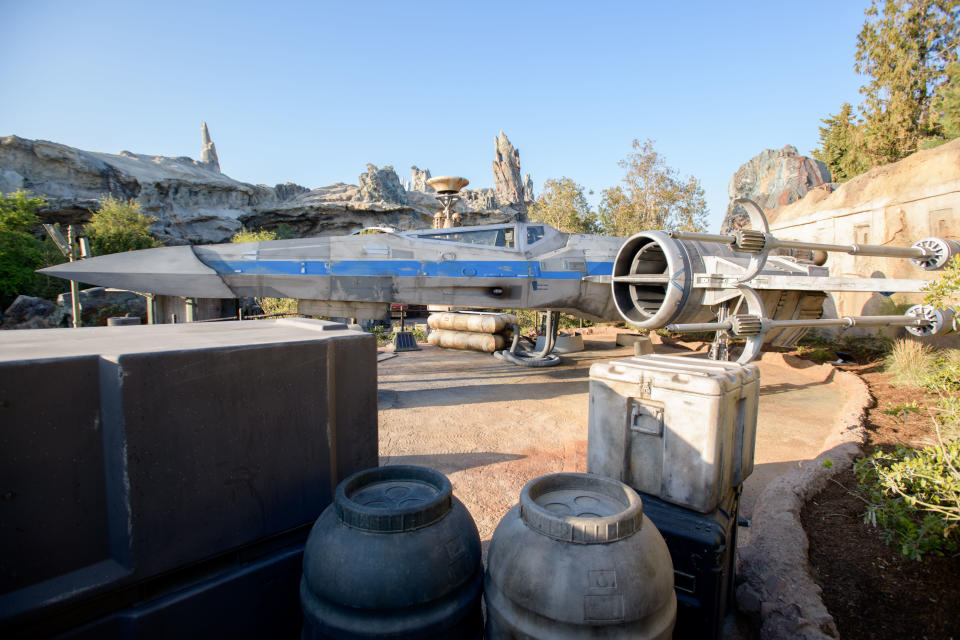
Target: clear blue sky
[310,92]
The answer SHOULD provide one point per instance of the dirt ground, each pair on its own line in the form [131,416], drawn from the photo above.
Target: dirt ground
[869,589]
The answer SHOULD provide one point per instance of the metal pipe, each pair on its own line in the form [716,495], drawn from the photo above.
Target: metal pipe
[703,237]
[852,249]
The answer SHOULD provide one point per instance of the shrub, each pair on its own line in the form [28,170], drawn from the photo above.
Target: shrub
[914,497]
[20,252]
[260,235]
[119,226]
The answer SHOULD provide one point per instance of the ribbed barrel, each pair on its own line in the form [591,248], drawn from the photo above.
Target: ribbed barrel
[473,322]
[395,555]
[578,559]
[487,342]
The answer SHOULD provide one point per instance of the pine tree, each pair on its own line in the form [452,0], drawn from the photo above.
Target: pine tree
[904,48]
[947,103]
[841,145]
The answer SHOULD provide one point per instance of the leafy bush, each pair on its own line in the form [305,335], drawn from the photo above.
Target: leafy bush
[119,226]
[20,251]
[914,497]
[260,235]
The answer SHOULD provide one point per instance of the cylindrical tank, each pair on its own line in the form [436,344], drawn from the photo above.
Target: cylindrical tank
[578,559]
[396,555]
[474,322]
[119,321]
[487,342]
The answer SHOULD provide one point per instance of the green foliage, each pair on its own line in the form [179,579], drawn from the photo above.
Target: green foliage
[942,292]
[914,497]
[841,145]
[947,102]
[864,348]
[653,196]
[260,235]
[20,251]
[119,226]
[563,205]
[18,211]
[900,412]
[908,52]
[904,48]
[944,375]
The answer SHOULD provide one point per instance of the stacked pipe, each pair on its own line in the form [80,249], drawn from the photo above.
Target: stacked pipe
[474,331]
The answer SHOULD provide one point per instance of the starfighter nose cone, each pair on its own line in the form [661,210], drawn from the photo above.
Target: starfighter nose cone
[166,270]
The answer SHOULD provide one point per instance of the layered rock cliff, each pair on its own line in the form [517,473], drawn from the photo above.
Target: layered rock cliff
[193,202]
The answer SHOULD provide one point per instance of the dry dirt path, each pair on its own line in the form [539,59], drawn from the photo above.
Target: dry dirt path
[492,426]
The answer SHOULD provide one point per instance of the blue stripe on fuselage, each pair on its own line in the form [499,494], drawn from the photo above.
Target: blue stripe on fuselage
[408,268]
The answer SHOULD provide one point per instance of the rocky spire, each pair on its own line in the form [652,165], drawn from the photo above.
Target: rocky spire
[208,156]
[418,179]
[528,188]
[507,180]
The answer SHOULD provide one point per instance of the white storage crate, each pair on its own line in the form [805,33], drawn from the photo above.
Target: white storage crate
[676,427]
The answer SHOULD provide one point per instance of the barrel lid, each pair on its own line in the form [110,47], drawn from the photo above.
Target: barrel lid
[393,499]
[581,508]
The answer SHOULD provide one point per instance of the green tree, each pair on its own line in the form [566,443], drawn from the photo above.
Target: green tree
[947,102]
[119,226]
[841,145]
[904,49]
[20,251]
[563,205]
[653,196]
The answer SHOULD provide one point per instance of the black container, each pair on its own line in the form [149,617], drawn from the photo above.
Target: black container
[395,555]
[703,549]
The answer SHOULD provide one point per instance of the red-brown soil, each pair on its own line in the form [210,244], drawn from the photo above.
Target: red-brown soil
[869,588]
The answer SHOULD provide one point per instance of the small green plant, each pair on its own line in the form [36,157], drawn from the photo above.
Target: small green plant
[119,226]
[942,292]
[817,354]
[900,412]
[944,375]
[913,496]
[382,333]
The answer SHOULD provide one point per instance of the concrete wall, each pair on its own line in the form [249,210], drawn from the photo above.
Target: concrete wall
[894,205]
[130,453]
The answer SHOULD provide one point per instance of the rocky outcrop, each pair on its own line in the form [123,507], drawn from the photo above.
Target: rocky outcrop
[507,181]
[99,303]
[774,178]
[380,185]
[418,179]
[208,152]
[528,188]
[27,312]
[192,202]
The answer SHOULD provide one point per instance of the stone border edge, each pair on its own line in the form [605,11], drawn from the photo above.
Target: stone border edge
[777,588]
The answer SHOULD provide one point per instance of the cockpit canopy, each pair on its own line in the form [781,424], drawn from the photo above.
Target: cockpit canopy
[516,236]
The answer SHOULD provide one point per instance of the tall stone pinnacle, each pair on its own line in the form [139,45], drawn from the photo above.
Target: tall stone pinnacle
[208,155]
[507,180]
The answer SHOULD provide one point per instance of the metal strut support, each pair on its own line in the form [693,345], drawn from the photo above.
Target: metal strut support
[518,354]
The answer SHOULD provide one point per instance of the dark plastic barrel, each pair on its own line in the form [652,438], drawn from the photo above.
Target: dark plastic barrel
[578,559]
[395,556]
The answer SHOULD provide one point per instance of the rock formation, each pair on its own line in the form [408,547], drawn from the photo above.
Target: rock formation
[528,188]
[774,178]
[418,179]
[27,312]
[380,185]
[507,180]
[208,153]
[194,203]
